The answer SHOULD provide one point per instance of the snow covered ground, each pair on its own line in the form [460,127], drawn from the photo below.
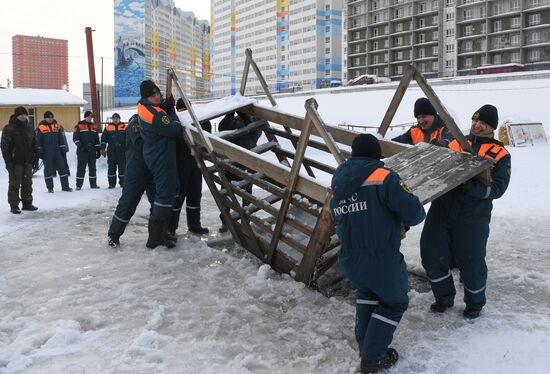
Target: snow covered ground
[71,304]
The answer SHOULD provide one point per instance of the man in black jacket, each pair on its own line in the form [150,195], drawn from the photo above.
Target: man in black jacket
[19,151]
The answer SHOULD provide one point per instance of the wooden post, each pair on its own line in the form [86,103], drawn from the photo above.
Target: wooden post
[91,72]
[245,75]
[260,76]
[287,198]
[311,110]
[442,111]
[396,100]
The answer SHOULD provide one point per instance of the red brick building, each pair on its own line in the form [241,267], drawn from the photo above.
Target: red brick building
[40,62]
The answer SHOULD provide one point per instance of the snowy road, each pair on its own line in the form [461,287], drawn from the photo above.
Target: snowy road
[71,304]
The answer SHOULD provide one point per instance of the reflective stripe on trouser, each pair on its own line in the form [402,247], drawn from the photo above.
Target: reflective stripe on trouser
[383,281]
[20,179]
[55,163]
[115,159]
[85,158]
[467,249]
[139,180]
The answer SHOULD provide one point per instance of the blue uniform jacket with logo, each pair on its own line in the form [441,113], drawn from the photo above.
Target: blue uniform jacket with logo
[85,136]
[369,205]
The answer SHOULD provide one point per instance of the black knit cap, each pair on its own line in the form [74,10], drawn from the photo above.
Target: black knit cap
[48,114]
[366,145]
[488,114]
[88,113]
[115,115]
[180,104]
[20,110]
[423,106]
[148,88]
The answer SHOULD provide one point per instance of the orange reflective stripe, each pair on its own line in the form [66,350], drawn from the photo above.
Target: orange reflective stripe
[110,127]
[378,175]
[437,134]
[44,128]
[417,136]
[122,127]
[456,147]
[496,151]
[145,114]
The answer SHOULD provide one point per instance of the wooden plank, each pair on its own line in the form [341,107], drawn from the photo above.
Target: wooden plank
[316,244]
[260,76]
[396,100]
[244,79]
[253,126]
[265,147]
[293,180]
[311,109]
[442,111]
[285,239]
[430,171]
[311,143]
[307,160]
[340,135]
[306,186]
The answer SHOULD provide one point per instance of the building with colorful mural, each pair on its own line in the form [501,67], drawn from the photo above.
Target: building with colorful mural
[297,44]
[152,36]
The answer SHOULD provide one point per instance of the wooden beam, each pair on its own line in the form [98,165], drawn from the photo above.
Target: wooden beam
[442,111]
[293,180]
[253,126]
[396,100]
[244,79]
[316,245]
[311,110]
[260,76]
[308,161]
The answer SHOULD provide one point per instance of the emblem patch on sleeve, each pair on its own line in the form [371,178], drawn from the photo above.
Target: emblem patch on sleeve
[166,120]
[404,186]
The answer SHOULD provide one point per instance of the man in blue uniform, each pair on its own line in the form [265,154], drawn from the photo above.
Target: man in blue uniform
[369,206]
[457,226]
[160,130]
[138,180]
[87,150]
[113,145]
[429,127]
[190,179]
[52,144]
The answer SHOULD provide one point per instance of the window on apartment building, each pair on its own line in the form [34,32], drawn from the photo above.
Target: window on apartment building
[357,48]
[421,7]
[514,23]
[497,8]
[399,70]
[374,32]
[497,59]
[449,48]
[421,38]
[435,20]
[327,51]
[435,50]
[327,39]
[422,53]
[449,3]
[449,17]
[534,37]
[435,66]
[468,46]
[497,26]
[375,18]
[482,12]
[399,27]
[327,7]
[357,61]
[386,43]
[421,22]
[534,19]
[449,64]
[374,46]
[515,39]
[386,57]
[375,59]
[374,5]
[515,57]
[327,73]
[468,62]
[399,55]
[398,41]
[534,55]
[327,61]
[467,30]
[386,30]
[514,5]
[435,35]
[534,3]
[386,71]
[398,13]
[467,14]
[450,33]
[327,28]
[356,35]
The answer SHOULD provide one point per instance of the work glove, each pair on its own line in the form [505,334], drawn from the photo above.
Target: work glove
[104,152]
[169,105]
[97,154]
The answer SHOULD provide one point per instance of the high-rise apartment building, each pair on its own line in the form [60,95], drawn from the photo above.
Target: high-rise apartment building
[106,98]
[446,37]
[40,62]
[297,44]
[152,36]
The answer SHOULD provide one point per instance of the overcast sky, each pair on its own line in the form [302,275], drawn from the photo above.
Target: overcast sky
[66,19]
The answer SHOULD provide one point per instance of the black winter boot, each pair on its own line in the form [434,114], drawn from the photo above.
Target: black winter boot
[194,222]
[28,206]
[15,209]
[441,305]
[386,361]
[471,313]
[156,234]
[114,241]
[173,224]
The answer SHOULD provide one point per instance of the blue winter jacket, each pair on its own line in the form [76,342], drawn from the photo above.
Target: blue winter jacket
[369,205]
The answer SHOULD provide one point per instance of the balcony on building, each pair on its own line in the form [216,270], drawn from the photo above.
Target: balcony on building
[460,4]
[504,9]
[536,5]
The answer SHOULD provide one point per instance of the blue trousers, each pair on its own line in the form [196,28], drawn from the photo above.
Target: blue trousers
[116,158]
[85,157]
